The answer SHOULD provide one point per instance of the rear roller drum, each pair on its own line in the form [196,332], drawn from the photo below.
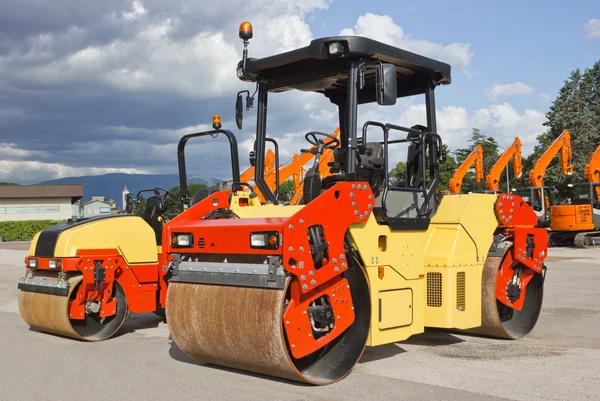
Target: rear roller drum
[499,320]
[50,314]
[242,328]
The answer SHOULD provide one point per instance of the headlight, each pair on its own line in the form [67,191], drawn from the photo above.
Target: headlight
[336,48]
[265,240]
[33,263]
[239,72]
[182,240]
[55,264]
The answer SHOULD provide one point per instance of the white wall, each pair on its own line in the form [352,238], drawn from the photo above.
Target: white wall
[64,209]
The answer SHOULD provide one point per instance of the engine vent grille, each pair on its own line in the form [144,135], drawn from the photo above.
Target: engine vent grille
[460,292]
[201,243]
[434,289]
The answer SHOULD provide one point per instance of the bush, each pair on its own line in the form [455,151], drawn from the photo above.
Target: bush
[24,230]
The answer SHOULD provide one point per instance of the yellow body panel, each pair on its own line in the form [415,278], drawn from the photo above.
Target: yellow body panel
[257,210]
[458,240]
[131,235]
[430,278]
[33,243]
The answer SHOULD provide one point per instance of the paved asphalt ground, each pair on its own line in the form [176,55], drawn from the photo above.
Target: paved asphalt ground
[559,360]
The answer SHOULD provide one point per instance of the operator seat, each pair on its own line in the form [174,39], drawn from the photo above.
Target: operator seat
[371,159]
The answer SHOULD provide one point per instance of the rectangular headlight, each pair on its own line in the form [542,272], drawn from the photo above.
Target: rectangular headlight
[265,240]
[182,240]
[33,263]
[258,240]
[55,264]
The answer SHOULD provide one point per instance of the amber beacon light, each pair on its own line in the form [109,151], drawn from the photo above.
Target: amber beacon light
[245,31]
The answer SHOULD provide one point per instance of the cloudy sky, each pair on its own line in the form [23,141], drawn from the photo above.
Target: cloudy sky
[90,87]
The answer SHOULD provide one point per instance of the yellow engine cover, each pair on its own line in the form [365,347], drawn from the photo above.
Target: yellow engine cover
[130,235]
[427,278]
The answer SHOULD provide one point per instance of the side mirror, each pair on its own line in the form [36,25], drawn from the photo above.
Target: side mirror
[239,110]
[386,88]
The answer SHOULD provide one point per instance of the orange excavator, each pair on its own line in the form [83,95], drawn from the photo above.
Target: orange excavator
[476,158]
[512,152]
[579,222]
[539,196]
[248,174]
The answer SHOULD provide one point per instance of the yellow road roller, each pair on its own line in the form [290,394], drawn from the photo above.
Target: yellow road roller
[298,292]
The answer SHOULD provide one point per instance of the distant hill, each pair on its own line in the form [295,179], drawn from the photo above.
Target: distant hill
[111,185]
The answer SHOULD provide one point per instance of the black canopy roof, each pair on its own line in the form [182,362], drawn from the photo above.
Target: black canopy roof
[313,69]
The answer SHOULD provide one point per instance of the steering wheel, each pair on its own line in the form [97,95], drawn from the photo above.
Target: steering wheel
[157,192]
[311,138]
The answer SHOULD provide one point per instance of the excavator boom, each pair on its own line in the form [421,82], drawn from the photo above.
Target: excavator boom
[512,152]
[248,174]
[561,145]
[476,157]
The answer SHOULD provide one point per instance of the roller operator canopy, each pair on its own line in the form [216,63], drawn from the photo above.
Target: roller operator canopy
[323,67]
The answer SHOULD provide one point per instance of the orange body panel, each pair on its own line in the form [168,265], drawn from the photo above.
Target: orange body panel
[140,282]
[571,218]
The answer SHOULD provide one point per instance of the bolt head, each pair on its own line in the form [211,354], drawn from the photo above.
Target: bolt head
[305,286]
[303,277]
[312,273]
[291,226]
[313,282]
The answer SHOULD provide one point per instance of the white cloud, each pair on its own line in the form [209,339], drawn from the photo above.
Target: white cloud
[34,171]
[592,29]
[382,28]
[410,8]
[138,9]
[156,57]
[515,88]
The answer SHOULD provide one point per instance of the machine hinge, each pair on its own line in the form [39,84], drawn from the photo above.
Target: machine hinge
[274,264]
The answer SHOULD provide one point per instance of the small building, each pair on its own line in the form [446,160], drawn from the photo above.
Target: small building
[38,202]
[97,206]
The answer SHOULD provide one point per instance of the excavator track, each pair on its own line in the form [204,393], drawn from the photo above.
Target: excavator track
[588,240]
[499,320]
[242,328]
[50,313]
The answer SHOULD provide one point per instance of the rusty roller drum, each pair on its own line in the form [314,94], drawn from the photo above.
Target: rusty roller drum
[499,320]
[50,313]
[241,328]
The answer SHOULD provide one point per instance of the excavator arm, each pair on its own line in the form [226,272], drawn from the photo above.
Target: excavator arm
[592,170]
[512,152]
[561,145]
[324,171]
[248,174]
[476,157]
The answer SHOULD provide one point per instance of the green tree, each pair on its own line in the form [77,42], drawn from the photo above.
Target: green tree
[286,190]
[175,204]
[576,109]
[2,183]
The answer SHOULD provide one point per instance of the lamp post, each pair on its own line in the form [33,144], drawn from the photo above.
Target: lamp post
[507,177]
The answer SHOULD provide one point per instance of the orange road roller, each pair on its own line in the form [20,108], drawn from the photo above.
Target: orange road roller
[298,292]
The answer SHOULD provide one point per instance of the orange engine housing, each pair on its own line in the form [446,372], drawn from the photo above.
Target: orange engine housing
[571,218]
